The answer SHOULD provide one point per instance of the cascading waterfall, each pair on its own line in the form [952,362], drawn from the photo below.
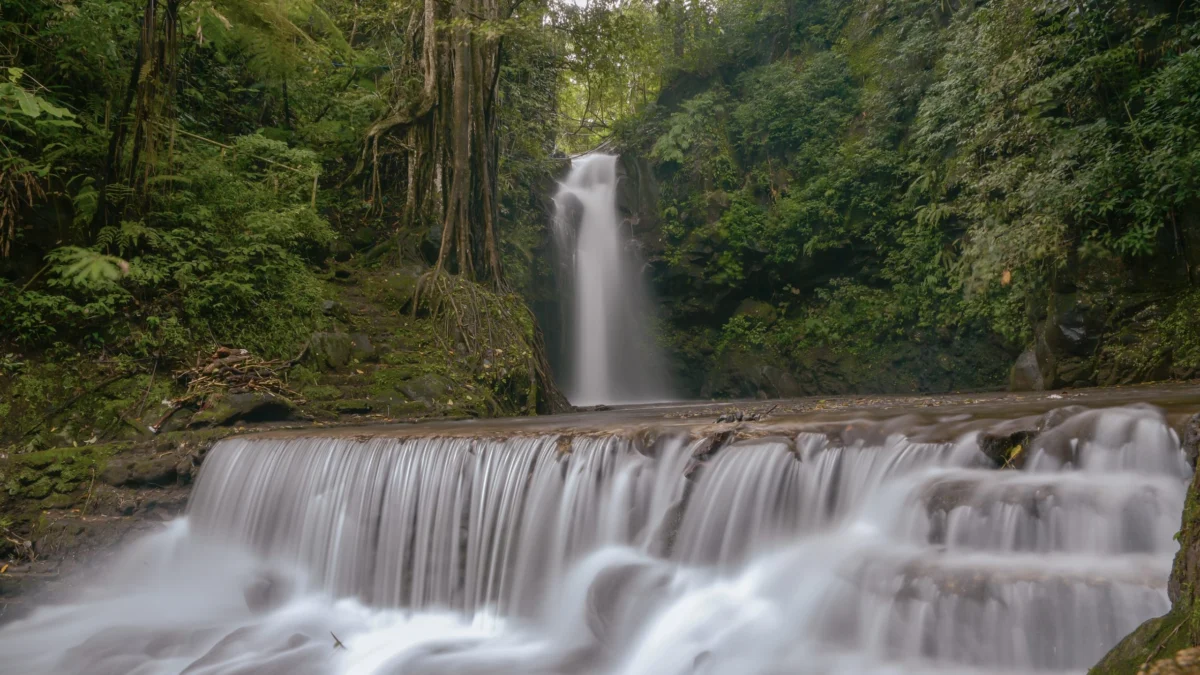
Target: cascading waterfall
[611,356]
[861,547]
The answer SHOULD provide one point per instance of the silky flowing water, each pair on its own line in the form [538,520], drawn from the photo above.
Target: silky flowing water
[611,356]
[847,545]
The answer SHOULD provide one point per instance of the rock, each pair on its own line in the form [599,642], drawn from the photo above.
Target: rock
[427,388]
[398,288]
[266,593]
[1072,324]
[257,406]
[352,407]
[1011,443]
[1185,662]
[364,238]
[158,472]
[1191,439]
[341,250]
[335,310]
[1026,375]
[779,383]
[58,502]
[1007,450]
[329,351]
[186,469]
[755,310]
[361,347]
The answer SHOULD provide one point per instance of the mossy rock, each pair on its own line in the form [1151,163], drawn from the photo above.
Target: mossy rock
[397,289]
[321,393]
[40,488]
[354,406]
[361,348]
[427,388]
[1157,638]
[37,475]
[330,351]
[256,406]
[59,501]
[755,310]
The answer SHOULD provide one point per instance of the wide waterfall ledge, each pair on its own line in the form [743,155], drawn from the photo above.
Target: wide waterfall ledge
[1004,538]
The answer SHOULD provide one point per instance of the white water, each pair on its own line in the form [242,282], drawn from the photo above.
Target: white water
[611,356]
[808,554]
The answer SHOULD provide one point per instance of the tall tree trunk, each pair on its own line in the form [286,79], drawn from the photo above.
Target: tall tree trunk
[448,134]
[147,99]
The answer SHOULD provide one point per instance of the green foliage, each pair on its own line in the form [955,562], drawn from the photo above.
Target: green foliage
[922,171]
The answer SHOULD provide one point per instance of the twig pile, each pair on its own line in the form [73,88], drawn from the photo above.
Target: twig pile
[235,371]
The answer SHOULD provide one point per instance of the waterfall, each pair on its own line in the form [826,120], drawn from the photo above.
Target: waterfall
[891,546]
[611,356]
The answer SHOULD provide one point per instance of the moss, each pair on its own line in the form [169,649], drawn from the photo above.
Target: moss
[354,406]
[39,488]
[390,380]
[60,470]
[1157,638]
[321,393]
[59,501]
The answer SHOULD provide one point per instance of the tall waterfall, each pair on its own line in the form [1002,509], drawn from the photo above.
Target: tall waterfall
[611,356]
[852,548]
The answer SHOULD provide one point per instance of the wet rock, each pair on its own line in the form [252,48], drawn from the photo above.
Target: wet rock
[329,351]
[257,406]
[1191,439]
[266,593]
[1010,444]
[1007,450]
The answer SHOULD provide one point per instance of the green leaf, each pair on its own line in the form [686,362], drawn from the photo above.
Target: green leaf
[28,103]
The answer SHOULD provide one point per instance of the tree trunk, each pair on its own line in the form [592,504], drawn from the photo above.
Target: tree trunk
[447,135]
[147,99]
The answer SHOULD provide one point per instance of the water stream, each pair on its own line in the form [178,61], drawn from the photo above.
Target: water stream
[611,357]
[825,546]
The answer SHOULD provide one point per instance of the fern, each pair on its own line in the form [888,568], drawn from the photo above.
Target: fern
[86,268]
